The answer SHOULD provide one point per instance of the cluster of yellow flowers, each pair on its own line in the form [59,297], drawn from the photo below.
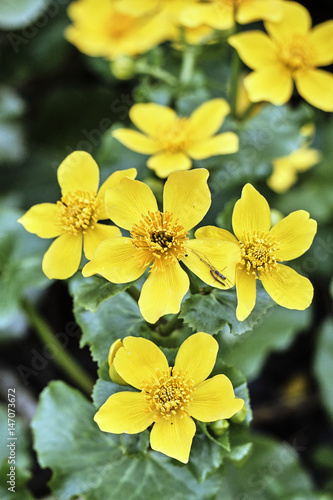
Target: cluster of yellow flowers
[291,51]
[159,240]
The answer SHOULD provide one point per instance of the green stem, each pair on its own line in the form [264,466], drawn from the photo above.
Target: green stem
[143,68]
[62,358]
[246,113]
[188,63]
[234,81]
[170,326]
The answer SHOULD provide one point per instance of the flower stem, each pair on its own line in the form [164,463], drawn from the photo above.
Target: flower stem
[61,357]
[143,68]
[170,326]
[234,81]
[188,63]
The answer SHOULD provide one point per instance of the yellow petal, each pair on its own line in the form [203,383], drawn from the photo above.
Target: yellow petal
[316,87]
[217,15]
[127,204]
[139,360]
[273,84]
[116,260]
[295,235]
[246,294]
[78,172]
[207,119]
[40,220]
[254,48]
[322,38]
[197,356]
[295,19]
[251,213]
[93,237]
[136,141]
[112,182]
[215,233]
[288,288]
[214,399]
[63,257]
[254,10]
[173,437]
[221,144]
[163,291]
[166,163]
[124,412]
[149,117]
[214,261]
[304,158]
[187,196]
[283,176]
[114,375]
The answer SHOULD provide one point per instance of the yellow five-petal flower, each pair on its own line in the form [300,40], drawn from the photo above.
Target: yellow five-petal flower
[74,219]
[173,140]
[160,239]
[169,397]
[263,249]
[292,52]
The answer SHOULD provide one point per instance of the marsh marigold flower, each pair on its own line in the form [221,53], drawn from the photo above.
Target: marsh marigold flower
[223,14]
[291,53]
[263,249]
[160,240]
[168,397]
[286,168]
[99,29]
[73,220]
[173,140]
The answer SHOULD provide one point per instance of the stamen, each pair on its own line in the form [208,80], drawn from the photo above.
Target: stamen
[296,53]
[77,212]
[258,253]
[159,239]
[169,393]
[176,138]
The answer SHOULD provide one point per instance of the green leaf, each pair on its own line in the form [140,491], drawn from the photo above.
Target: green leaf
[90,463]
[272,473]
[323,363]
[210,313]
[90,292]
[115,318]
[19,13]
[275,331]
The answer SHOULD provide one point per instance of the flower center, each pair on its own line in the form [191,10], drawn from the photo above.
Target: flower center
[77,212]
[158,238]
[296,53]
[168,394]
[175,138]
[120,24]
[258,253]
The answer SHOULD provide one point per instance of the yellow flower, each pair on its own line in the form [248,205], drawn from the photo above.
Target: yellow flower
[292,52]
[285,169]
[99,29]
[160,239]
[223,14]
[169,397]
[73,219]
[263,249]
[173,140]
